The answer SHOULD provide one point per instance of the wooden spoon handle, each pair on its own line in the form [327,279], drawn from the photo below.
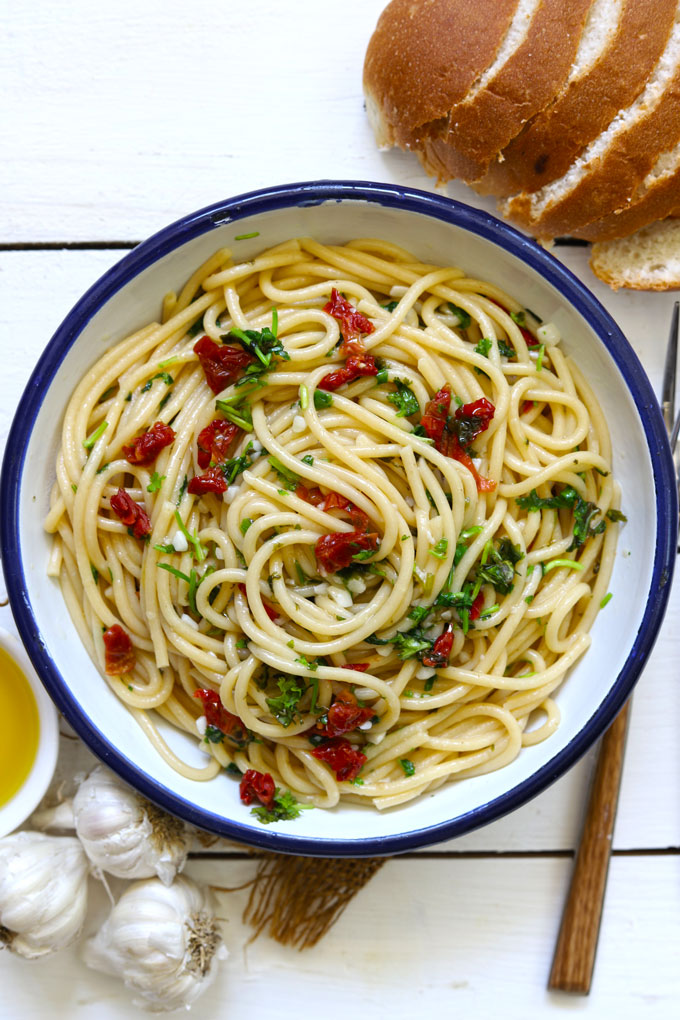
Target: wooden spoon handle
[572,967]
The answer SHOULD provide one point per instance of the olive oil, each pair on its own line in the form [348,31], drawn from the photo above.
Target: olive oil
[19,727]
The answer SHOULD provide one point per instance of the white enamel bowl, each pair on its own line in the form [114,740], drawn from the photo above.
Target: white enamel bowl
[17,809]
[438,231]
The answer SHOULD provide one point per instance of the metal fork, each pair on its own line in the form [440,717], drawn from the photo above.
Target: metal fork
[672,422]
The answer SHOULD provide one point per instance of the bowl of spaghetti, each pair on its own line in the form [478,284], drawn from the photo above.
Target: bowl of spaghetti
[314,510]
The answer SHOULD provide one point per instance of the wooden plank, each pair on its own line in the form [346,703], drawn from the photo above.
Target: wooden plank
[141,114]
[440,937]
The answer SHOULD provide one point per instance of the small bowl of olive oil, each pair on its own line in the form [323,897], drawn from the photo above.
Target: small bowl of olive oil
[29,735]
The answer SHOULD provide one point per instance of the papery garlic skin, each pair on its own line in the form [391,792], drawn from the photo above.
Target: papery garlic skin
[43,892]
[125,835]
[163,941]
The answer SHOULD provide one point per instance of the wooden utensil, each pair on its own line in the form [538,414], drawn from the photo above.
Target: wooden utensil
[572,967]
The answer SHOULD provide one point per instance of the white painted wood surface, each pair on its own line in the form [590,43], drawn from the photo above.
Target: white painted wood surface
[117,119]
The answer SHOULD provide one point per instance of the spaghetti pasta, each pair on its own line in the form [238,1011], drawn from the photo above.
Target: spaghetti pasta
[345,517]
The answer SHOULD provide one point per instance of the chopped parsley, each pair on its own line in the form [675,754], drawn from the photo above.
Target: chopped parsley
[308,459]
[237,410]
[233,467]
[284,807]
[193,540]
[287,477]
[97,434]
[464,319]
[391,305]
[165,376]
[404,399]
[322,399]
[284,707]
[246,237]
[245,524]
[439,550]
[191,579]
[408,766]
[182,490]
[263,343]
[584,511]
[155,482]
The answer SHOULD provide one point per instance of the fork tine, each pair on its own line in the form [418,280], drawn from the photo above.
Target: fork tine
[669,372]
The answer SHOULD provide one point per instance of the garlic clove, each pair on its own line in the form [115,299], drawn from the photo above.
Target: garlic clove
[43,892]
[162,941]
[125,835]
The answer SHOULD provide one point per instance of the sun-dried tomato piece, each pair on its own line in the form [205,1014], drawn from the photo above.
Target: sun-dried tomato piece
[344,715]
[473,419]
[257,786]
[469,420]
[356,366]
[335,501]
[438,657]
[476,607]
[269,610]
[119,654]
[221,365]
[336,551]
[526,406]
[145,448]
[352,323]
[436,412]
[216,715]
[360,667]
[313,496]
[345,760]
[450,447]
[131,514]
[214,441]
[211,481]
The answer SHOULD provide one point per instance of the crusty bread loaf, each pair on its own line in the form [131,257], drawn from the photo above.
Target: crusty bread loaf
[647,260]
[658,196]
[605,176]
[536,58]
[615,59]
[423,57]
[567,110]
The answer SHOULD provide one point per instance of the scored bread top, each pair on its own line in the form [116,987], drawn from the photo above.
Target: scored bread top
[636,32]
[607,173]
[424,56]
[494,110]
[647,260]
[658,196]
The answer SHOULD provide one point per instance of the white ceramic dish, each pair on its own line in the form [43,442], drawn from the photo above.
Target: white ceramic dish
[437,230]
[31,792]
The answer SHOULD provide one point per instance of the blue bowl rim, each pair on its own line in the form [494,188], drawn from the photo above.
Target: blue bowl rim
[303,194]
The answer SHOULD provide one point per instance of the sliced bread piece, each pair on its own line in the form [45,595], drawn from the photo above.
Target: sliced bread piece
[647,260]
[423,58]
[607,173]
[527,72]
[620,46]
[657,197]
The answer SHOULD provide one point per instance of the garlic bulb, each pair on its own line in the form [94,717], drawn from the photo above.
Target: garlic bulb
[124,834]
[163,941]
[43,892]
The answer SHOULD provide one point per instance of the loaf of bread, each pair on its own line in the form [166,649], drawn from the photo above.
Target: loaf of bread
[568,111]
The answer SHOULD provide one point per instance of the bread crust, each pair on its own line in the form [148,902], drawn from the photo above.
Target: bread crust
[549,143]
[417,65]
[656,204]
[612,179]
[480,127]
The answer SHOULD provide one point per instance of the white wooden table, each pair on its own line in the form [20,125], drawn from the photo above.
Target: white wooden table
[117,119]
